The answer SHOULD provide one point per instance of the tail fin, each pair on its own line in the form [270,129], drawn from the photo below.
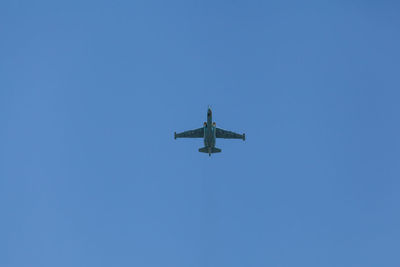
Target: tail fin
[210,150]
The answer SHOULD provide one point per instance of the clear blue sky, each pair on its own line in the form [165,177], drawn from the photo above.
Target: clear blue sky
[92,91]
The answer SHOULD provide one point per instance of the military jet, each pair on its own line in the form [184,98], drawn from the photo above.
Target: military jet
[209,132]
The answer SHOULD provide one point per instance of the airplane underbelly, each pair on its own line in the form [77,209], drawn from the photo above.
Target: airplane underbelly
[209,139]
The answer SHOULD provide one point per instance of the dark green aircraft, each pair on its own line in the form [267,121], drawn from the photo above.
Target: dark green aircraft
[210,133]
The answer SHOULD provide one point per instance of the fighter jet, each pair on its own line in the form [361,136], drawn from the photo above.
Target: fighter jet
[209,132]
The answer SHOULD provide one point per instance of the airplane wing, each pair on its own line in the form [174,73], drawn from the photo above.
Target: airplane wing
[229,135]
[197,133]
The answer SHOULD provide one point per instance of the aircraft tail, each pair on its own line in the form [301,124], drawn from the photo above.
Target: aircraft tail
[210,150]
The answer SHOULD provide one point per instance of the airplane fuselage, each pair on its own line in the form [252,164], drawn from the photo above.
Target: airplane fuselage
[209,132]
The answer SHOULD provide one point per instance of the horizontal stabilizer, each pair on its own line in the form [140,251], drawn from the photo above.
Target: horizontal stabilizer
[210,150]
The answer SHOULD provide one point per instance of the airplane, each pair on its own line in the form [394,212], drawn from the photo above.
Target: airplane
[209,132]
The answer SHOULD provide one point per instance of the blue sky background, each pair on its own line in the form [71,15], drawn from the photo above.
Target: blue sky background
[92,91]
